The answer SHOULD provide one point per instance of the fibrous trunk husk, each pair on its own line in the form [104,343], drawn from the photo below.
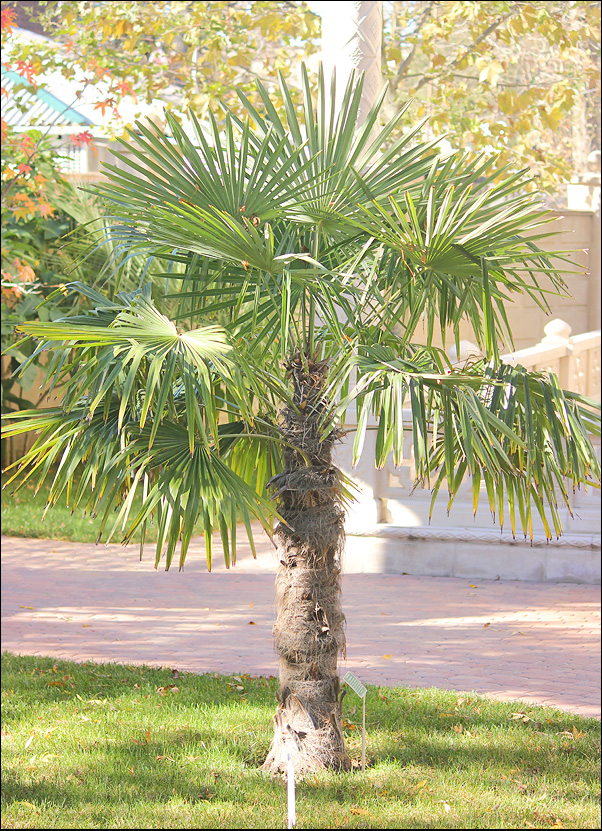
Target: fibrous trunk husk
[309,632]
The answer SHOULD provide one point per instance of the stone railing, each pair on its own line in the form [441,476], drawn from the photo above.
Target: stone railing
[393,519]
[575,360]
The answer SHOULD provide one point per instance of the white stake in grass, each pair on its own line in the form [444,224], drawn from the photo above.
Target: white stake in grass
[290,791]
[358,688]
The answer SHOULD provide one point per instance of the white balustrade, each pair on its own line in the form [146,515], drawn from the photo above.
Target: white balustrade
[575,360]
[386,500]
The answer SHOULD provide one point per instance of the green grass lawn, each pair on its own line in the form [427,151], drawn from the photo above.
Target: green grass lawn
[22,516]
[110,746]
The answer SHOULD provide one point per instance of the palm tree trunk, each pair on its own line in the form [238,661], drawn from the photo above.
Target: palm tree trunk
[309,630]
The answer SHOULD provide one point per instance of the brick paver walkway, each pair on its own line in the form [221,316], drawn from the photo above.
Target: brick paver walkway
[534,642]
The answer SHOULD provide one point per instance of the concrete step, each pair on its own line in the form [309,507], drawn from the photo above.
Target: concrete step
[472,553]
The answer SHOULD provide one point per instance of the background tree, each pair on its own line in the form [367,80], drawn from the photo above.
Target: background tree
[518,80]
[307,259]
[180,54]
[34,263]
[40,207]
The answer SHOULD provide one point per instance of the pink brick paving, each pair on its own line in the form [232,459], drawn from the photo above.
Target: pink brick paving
[83,602]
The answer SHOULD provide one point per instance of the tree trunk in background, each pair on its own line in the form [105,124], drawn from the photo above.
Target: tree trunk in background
[309,630]
[352,40]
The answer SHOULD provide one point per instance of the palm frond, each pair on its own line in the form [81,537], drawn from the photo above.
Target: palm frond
[516,431]
[458,248]
[180,489]
[137,353]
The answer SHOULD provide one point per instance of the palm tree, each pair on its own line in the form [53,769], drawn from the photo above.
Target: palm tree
[303,254]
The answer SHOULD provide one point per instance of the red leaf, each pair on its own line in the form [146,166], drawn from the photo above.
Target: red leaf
[123,87]
[25,68]
[82,138]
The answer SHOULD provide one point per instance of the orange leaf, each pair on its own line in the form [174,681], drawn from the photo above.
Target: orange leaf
[20,213]
[386,657]
[104,105]
[361,811]
[8,19]
[251,623]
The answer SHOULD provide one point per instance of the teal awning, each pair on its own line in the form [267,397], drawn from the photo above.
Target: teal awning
[36,107]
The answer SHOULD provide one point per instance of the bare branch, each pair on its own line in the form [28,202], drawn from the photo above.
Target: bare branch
[404,66]
[517,7]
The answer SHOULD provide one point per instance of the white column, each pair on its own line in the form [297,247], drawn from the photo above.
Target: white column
[352,39]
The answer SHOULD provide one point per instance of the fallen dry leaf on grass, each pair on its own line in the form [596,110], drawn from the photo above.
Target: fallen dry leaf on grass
[169,688]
